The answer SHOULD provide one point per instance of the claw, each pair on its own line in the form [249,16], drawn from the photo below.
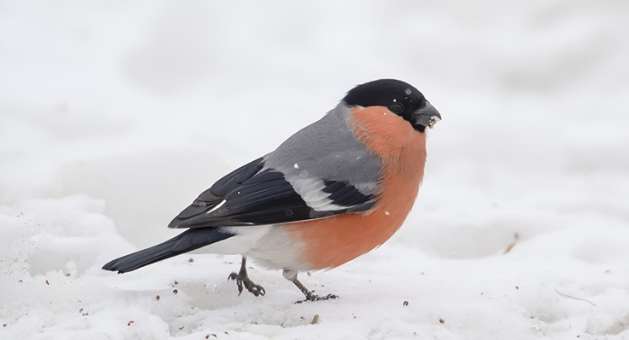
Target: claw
[236,277]
[243,280]
[312,297]
[255,289]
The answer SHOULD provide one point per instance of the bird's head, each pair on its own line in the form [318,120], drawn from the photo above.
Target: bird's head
[399,97]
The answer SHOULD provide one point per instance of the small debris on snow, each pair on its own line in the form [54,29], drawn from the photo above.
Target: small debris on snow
[510,246]
[47,283]
[157,297]
[405,303]
[130,323]
[175,291]
[574,297]
[442,321]
[191,260]
[315,319]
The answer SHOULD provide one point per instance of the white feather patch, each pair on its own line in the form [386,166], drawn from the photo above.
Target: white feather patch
[311,191]
[216,207]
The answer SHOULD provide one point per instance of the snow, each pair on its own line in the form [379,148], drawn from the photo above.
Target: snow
[114,116]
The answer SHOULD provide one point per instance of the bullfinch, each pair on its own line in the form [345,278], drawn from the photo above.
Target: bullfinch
[331,192]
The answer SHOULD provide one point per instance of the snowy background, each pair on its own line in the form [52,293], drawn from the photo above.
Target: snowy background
[115,115]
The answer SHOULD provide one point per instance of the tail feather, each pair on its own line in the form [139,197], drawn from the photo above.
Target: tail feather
[187,241]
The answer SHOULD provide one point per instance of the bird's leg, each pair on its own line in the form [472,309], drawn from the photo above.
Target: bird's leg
[310,295]
[242,279]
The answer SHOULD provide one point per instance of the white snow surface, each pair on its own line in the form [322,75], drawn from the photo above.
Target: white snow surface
[114,116]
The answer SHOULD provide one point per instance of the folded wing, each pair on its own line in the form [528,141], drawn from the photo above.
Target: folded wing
[319,172]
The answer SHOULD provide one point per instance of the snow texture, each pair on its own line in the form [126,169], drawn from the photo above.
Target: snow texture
[114,115]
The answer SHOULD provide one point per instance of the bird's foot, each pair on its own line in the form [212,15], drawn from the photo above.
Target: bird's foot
[312,297]
[243,280]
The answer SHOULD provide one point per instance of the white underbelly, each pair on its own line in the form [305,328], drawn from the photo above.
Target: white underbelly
[245,239]
[269,246]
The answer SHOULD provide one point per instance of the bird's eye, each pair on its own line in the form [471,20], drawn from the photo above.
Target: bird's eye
[396,108]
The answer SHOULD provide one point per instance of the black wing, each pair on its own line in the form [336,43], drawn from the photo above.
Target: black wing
[249,196]
[215,194]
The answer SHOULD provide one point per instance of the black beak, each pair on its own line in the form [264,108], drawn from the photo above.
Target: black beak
[427,116]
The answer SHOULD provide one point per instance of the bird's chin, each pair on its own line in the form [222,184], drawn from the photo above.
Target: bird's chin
[419,128]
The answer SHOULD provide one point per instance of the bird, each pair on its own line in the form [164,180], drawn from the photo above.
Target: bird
[331,192]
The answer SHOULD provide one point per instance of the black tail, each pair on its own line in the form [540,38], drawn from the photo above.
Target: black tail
[182,243]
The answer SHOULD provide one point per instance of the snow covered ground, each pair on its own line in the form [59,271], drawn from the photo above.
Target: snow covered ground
[115,115]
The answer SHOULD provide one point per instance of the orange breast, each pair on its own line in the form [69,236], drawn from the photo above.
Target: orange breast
[333,241]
